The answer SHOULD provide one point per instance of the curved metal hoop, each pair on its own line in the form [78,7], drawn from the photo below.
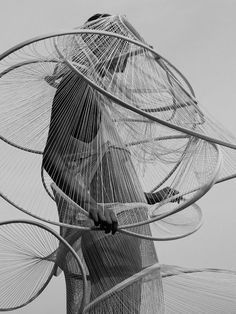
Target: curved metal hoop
[169,270]
[60,239]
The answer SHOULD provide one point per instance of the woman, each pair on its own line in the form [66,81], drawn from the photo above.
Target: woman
[87,159]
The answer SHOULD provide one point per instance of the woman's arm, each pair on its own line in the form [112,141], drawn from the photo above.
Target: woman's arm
[103,217]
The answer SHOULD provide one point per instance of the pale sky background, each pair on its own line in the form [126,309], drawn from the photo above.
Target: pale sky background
[198,37]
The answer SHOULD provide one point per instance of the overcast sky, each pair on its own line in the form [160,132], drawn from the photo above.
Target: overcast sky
[198,37]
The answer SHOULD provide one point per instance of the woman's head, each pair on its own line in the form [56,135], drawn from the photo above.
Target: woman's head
[102,46]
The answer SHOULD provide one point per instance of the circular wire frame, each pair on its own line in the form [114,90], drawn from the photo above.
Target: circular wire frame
[28,257]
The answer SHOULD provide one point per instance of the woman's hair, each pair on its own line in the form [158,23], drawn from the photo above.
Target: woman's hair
[97,16]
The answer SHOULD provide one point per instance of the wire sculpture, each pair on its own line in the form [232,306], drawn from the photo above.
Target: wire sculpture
[101,133]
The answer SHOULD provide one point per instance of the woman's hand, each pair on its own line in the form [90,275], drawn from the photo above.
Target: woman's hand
[104,217]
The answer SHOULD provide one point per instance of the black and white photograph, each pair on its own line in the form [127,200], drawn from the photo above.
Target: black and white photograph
[118,157]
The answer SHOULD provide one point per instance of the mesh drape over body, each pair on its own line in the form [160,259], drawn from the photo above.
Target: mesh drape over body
[103,166]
